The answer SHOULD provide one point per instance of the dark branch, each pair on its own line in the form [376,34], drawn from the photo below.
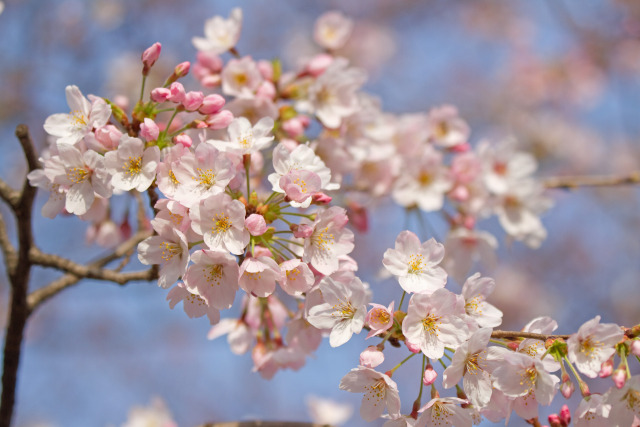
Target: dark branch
[520,334]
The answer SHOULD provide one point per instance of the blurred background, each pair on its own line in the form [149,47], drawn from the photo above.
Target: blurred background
[561,76]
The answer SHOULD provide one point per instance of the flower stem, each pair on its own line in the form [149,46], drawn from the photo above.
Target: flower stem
[271,196]
[575,374]
[444,365]
[403,362]
[499,343]
[246,169]
[308,216]
[144,81]
[288,241]
[401,300]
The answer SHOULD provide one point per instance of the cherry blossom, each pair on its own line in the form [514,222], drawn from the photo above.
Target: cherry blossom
[444,411]
[332,30]
[244,138]
[169,249]
[475,290]
[592,345]
[194,305]
[220,34]
[380,392]
[132,166]
[84,116]
[415,264]
[215,275]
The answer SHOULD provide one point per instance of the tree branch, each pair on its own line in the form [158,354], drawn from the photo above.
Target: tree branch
[93,270]
[571,182]
[520,334]
[9,252]
[9,195]
[19,279]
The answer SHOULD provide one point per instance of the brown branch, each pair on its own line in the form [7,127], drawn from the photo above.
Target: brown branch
[19,280]
[9,252]
[92,270]
[8,194]
[264,424]
[570,182]
[520,334]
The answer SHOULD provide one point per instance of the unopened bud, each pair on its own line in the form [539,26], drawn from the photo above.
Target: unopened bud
[177,92]
[634,348]
[321,199]
[160,94]
[192,100]
[183,139]
[211,104]
[149,130]
[413,348]
[430,375]
[567,388]
[619,377]
[554,420]
[256,224]
[565,416]
[220,120]
[371,357]
[302,231]
[150,56]
[606,368]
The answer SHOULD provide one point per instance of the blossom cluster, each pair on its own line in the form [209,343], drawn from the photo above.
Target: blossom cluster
[243,178]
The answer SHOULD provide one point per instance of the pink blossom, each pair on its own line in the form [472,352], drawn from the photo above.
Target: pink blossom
[380,392]
[192,100]
[619,377]
[194,305]
[318,64]
[241,78]
[302,231]
[332,30]
[379,319]
[444,411]
[245,138]
[220,34]
[371,357]
[169,249]
[634,347]
[258,276]
[239,336]
[297,277]
[103,139]
[592,345]
[266,90]
[429,376]
[220,220]
[219,120]
[182,69]
[211,104]
[256,224]
[415,264]
[183,139]
[300,185]
[160,94]
[215,275]
[150,56]
[149,130]
[446,127]
[132,165]
[177,92]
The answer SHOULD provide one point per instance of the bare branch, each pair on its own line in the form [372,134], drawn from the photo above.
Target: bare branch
[264,424]
[85,271]
[571,182]
[39,296]
[520,334]
[9,195]
[9,252]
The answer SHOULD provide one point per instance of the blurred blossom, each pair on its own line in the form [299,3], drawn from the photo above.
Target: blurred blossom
[327,411]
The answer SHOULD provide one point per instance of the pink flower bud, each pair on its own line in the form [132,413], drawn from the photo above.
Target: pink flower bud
[266,69]
[150,56]
[192,100]
[635,348]
[321,199]
[213,63]
[567,388]
[305,120]
[256,224]
[266,90]
[183,139]
[293,127]
[606,368]
[300,184]
[121,101]
[318,64]
[160,94]
[430,375]
[371,357]
[413,348]
[554,420]
[220,120]
[565,416]
[210,81]
[460,148]
[182,69]
[149,130]
[302,231]
[460,193]
[619,377]
[108,136]
[211,104]
[177,92]
[358,217]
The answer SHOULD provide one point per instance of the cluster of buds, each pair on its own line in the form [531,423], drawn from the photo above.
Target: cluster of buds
[228,219]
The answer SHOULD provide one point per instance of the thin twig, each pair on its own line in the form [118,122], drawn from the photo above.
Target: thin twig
[8,194]
[9,252]
[570,182]
[41,295]
[520,334]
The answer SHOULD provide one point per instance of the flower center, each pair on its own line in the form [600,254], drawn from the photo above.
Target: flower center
[222,223]
[206,178]
[430,324]
[213,274]
[169,250]
[416,264]
[322,239]
[78,175]
[133,166]
[78,119]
